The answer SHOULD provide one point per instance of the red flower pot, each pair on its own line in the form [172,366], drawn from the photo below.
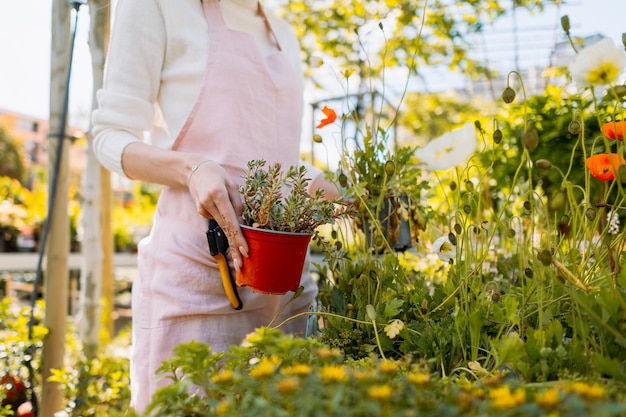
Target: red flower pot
[276,260]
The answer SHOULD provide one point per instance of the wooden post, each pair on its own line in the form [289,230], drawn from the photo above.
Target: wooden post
[100,13]
[56,278]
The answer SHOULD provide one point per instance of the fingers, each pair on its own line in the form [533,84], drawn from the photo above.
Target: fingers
[217,197]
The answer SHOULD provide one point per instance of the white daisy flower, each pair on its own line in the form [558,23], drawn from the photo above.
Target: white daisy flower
[449,150]
[598,64]
[444,249]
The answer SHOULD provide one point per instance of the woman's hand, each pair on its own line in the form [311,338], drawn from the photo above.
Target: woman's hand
[217,197]
[210,186]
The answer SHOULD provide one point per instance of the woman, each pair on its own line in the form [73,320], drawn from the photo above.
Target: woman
[216,84]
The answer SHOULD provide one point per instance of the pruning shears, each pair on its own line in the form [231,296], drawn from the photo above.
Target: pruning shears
[218,245]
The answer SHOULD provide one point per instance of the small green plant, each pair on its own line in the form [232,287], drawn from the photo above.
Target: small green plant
[279,200]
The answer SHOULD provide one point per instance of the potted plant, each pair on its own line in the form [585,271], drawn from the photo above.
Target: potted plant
[279,219]
[384,179]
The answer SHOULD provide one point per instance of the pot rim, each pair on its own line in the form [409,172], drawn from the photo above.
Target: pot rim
[278,232]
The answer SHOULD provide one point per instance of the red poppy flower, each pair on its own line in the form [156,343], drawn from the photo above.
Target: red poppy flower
[615,130]
[604,166]
[331,116]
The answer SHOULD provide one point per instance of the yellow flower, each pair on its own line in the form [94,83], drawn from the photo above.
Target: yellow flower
[297,369]
[388,367]
[333,373]
[502,398]
[598,64]
[288,385]
[224,376]
[379,392]
[588,391]
[265,368]
[548,398]
[222,408]
[325,353]
[347,72]
[419,378]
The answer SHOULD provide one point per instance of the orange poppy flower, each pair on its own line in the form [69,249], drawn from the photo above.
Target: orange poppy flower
[604,166]
[615,130]
[331,116]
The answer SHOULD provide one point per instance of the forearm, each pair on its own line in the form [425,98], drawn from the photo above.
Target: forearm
[147,163]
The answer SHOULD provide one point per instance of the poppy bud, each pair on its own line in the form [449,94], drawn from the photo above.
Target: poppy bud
[528,272]
[390,168]
[478,125]
[510,233]
[565,23]
[452,238]
[458,229]
[543,164]
[527,205]
[467,209]
[618,91]
[558,200]
[508,95]
[530,139]
[343,180]
[469,185]
[545,256]
[452,185]
[574,127]
[591,214]
[317,138]
[497,136]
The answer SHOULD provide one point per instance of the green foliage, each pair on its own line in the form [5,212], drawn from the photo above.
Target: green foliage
[97,386]
[11,158]
[266,207]
[275,374]
[418,33]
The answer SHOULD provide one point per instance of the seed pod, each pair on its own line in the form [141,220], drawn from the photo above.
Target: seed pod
[497,136]
[333,234]
[574,127]
[317,138]
[458,229]
[591,214]
[467,209]
[452,185]
[452,238]
[527,205]
[530,139]
[343,180]
[390,168]
[528,272]
[565,23]
[543,164]
[508,95]
[478,125]
[510,233]
[469,185]
[545,256]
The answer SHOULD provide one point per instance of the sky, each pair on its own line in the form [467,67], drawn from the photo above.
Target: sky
[25,49]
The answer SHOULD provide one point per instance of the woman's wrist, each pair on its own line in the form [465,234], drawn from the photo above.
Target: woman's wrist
[194,168]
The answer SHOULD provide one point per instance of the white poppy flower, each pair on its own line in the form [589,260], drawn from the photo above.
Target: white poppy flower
[449,150]
[444,249]
[598,64]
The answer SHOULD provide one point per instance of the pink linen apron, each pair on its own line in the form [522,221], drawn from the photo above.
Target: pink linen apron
[249,107]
